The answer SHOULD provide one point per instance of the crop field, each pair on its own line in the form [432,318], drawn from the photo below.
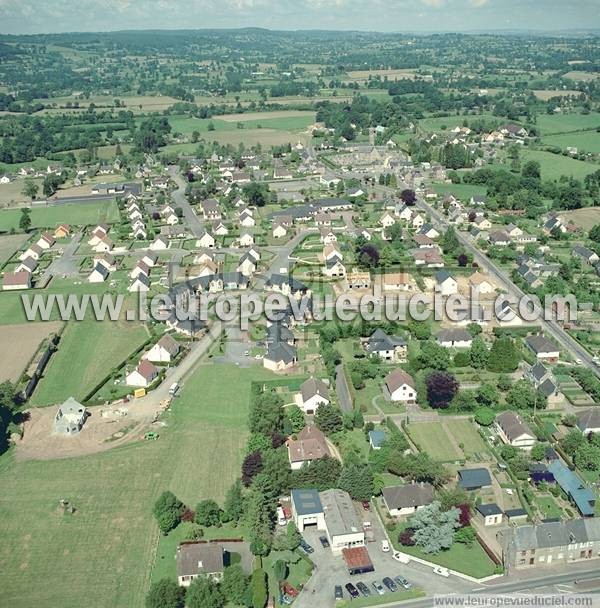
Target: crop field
[563,123]
[112,537]
[88,350]
[249,137]
[581,76]
[584,141]
[361,75]
[262,116]
[553,165]
[9,243]
[77,214]
[27,339]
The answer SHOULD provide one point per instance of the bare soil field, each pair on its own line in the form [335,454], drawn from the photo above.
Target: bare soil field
[582,76]
[546,95]
[28,336]
[391,74]
[251,137]
[99,434]
[9,244]
[243,117]
[583,218]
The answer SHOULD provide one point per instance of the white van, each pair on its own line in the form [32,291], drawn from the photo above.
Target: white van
[173,389]
[281,520]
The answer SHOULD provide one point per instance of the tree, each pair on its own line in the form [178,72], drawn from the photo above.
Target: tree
[485,416]
[503,356]
[453,497]
[165,593]
[418,467]
[256,194]
[523,395]
[487,395]
[368,256]
[152,134]
[572,441]
[434,528]
[208,513]
[234,584]
[321,474]
[233,506]
[251,466]
[267,414]
[433,356]
[280,569]
[259,588]
[465,535]
[296,417]
[167,511]
[292,536]
[25,219]
[449,241]
[329,419]
[51,184]
[538,452]
[441,388]
[30,189]
[406,537]
[408,197]
[479,354]
[357,480]
[204,593]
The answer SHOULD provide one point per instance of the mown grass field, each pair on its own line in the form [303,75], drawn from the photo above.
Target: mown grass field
[555,165]
[465,434]
[78,214]
[562,123]
[461,191]
[431,437]
[112,537]
[584,141]
[584,218]
[88,350]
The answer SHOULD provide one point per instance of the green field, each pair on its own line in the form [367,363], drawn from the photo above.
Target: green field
[449,122]
[562,123]
[555,165]
[112,538]
[465,433]
[548,507]
[461,191]
[78,214]
[88,350]
[431,437]
[584,141]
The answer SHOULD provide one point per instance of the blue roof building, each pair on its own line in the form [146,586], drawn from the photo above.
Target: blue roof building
[574,488]
[376,439]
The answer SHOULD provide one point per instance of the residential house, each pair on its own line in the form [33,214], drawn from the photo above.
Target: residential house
[446,283]
[164,351]
[401,386]
[280,356]
[210,209]
[543,380]
[219,228]
[200,558]
[70,417]
[160,243]
[246,239]
[513,431]
[482,283]
[62,231]
[45,241]
[585,254]
[387,220]
[474,479]
[588,421]
[407,499]
[309,445]
[143,375]
[99,274]
[397,281]
[313,393]
[334,267]
[358,280]
[16,280]
[139,268]
[544,349]
[246,220]
[286,285]
[499,238]
[429,231]
[279,230]
[327,236]
[28,265]
[454,338]
[104,245]
[139,284]
[430,258]
[33,251]
[205,240]
[392,349]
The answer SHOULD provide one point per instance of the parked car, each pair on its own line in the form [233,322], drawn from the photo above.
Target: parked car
[363,589]
[441,571]
[338,594]
[306,547]
[402,582]
[400,557]
[378,587]
[366,504]
[323,540]
[385,545]
[390,584]
[352,590]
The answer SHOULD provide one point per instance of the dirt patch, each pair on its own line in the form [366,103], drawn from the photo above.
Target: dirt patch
[27,338]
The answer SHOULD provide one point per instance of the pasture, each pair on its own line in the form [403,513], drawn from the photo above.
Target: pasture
[9,243]
[584,218]
[584,141]
[399,74]
[112,537]
[555,165]
[461,191]
[12,193]
[88,350]
[27,339]
[549,124]
[77,214]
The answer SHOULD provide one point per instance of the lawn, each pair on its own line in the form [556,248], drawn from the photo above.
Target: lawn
[555,165]
[87,352]
[462,191]
[112,537]
[431,437]
[465,433]
[548,507]
[78,214]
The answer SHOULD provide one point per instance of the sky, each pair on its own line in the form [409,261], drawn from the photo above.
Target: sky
[50,16]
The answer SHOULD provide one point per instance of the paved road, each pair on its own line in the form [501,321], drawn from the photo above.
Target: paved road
[193,222]
[67,263]
[550,327]
[342,389]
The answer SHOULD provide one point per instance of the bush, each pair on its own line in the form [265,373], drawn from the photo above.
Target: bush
[406,538]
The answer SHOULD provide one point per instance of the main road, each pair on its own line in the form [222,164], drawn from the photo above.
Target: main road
[550,326]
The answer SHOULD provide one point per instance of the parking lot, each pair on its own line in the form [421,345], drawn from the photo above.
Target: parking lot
[330,570]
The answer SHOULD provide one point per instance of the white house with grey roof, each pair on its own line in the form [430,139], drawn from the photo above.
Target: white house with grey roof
[454,338]
[387,348]
[543,348]
[70,417]
[407,499]
[589,421]
[513,431]
[313,393]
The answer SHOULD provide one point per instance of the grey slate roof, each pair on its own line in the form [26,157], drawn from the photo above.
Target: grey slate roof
[491,509]
[306,502]
[380,341]
[410,495]
[474,478]
[540,344]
